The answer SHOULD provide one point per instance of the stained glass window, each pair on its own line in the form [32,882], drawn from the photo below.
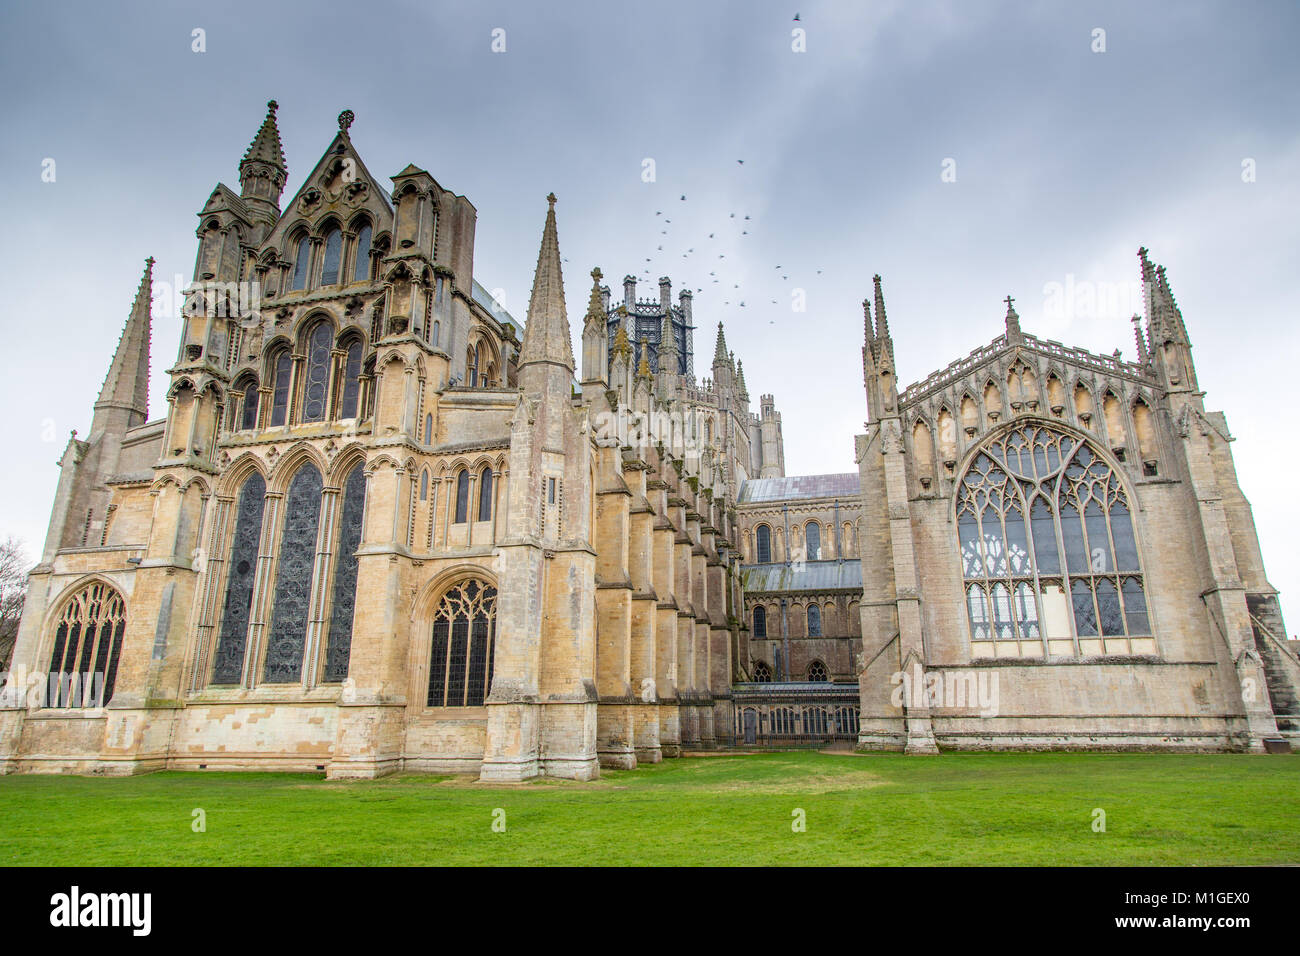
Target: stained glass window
[464,636]
[1078,539]
[351,381]
[813,541]
[333,255]
[293,578]
[485,494]
[316,390]
[814,621]
[762,672]
[300,264]
[87,645]
[280,388]
[361,272]
[228,660]
[462,497]
[339,650]
[250,405]
[817,672]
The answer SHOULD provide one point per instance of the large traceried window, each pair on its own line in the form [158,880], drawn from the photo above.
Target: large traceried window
[1049,557]
[228,661]
[87,645]
[464,634]
[293,578]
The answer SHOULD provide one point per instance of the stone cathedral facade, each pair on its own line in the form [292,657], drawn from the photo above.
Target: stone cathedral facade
[380,529]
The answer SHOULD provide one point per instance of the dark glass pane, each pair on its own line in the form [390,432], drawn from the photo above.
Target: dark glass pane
[300,265]
[813,539]
[1017,544]
[1135,607]
[351,382]
[438,665]
[280,390]
[250,406]
[344,604]
[1112,622]
[1098,541]
[476,689]
[1085,618]
[995,549]
[1121,526]
[485,495]
[760,623]
[424,486]
[814,621]
[293,578]
[462,497]
[456,663]
[1076,555]
[763,540]
[333,253]
[228,661]
[60,645]
[110,672]
[319,344]
[1046,555]
[362,271]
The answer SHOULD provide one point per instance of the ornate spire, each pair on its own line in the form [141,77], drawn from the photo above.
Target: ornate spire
[127,383]
[622,346]
[882,323]
[546,335]
[1140,339]
[668,345]
[595,304]
[643,367]
[740,380]
[868,337]
[720,348]
[266,147]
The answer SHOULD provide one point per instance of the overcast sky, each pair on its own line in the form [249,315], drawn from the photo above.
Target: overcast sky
[1066,160]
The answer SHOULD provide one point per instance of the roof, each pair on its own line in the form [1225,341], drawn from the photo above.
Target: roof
[805,576]
[485,298]
[846,485]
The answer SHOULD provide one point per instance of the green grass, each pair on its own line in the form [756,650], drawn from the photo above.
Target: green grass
[723,810]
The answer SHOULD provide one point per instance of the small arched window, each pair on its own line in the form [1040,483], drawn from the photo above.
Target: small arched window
[348,405]
[760,623]
[817,673]
[763,544]
[762,672]
[282,372]
[462,496]
[300,260]
[361,270]
[87,645]
[424,485]
[248,421]
[464,635]
[813,539]
[485,494]
[319,345]
[329,271]
[428,428]
[814,621]
[437,330]
[473,367]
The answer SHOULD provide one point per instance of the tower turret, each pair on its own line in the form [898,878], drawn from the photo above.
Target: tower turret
[262,171]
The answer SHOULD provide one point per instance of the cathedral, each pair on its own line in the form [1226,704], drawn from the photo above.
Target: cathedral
[381,528]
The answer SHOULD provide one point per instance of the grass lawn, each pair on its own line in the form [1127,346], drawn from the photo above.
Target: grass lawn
[718,810]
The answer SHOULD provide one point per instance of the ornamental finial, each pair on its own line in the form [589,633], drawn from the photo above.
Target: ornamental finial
[345,120]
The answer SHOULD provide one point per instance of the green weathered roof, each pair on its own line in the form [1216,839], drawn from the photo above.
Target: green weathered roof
[808,576]
[845,485]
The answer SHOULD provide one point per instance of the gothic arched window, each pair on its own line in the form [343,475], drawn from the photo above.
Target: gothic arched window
[464,634]
[428,428]
[485,494]
[763,544]
[1048,550]
[760,623]
[329,270]
[817,672]
[814,621]
[248,420]
[473,360]
[293,578]
[339,650]
[361,270]
[350,400]
[300,265]
[424,485]
[228,661]
[762,672]
[320,342]
[282,372]
[813,541]
[87,645]
[462,496]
